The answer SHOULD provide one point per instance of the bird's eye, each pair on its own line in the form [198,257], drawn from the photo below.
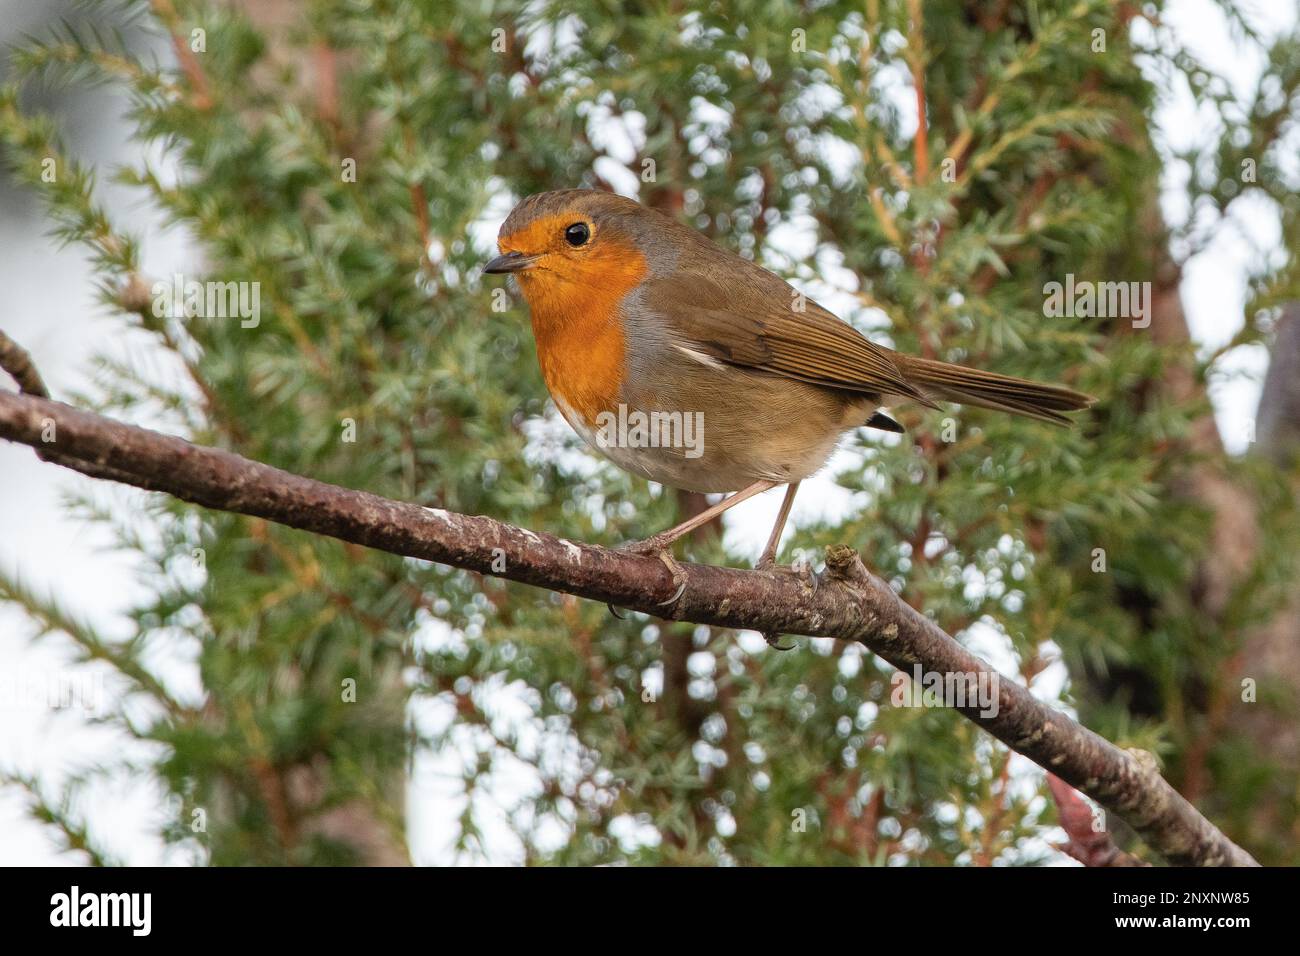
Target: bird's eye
[577,234]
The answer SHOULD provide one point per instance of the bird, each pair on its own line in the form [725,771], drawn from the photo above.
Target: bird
[639,318]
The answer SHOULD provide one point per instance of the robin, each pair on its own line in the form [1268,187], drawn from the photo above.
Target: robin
[695,368]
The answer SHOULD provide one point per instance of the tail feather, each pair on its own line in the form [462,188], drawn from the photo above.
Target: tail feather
[970,386]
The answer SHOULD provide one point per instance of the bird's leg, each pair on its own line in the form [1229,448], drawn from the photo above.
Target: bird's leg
[679,579]
[769,553]
[660,542]
[768,558]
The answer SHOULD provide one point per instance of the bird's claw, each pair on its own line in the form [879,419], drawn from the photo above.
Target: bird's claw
[679,578]
[772,640]
[656,547]
[801,569]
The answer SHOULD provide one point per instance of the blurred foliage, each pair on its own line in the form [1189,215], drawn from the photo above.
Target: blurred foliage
[575,737]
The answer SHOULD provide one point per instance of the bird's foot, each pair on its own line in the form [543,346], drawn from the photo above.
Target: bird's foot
[772,642]
[650,547]
[656,547]
[679,578]
[804,571]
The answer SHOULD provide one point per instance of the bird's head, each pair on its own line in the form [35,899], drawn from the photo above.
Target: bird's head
[561,245]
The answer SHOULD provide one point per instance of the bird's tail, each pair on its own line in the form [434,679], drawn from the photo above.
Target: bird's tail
[970,386]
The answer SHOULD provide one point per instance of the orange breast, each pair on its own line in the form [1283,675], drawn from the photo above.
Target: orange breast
[581,344]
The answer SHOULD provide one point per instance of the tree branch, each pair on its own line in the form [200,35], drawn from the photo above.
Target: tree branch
[846,602]
[15,360]
[1278,427]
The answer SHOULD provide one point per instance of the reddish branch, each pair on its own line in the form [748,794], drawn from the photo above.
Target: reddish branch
[190,65]
[845,602]
[1091,845]
[916,59]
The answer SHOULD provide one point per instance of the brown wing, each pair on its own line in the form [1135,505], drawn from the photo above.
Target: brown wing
[753,322]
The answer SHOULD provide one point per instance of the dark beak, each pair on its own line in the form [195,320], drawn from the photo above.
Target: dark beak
[510,262]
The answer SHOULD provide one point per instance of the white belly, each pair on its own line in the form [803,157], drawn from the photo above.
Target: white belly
[682,451]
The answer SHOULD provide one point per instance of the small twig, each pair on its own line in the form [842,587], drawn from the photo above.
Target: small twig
[15,360]
[916,60]
[193,70]
[325,60]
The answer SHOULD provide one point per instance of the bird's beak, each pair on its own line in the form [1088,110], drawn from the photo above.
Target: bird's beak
[509,262]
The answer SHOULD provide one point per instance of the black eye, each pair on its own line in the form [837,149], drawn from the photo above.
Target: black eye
[577,234]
